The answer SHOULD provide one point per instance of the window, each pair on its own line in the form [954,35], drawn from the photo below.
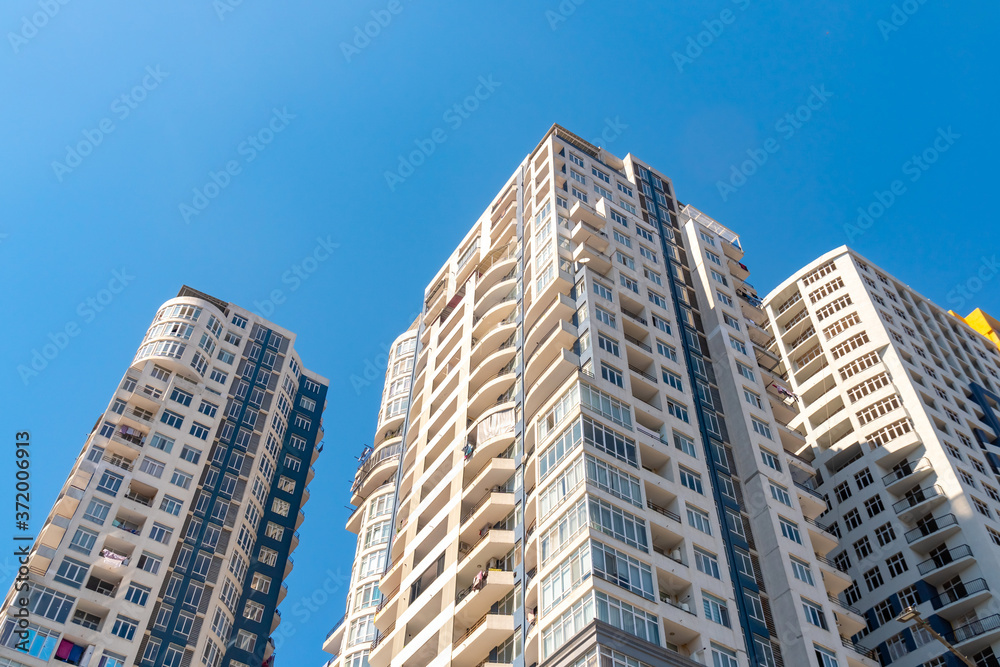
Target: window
[691,480]
[738,345]
[170,505]
[723,657]
[171,419]
[71,572]
[612,375]
[672,379]
[707,563]
[715,609]
[885,534]
[190,454]
[825,657]
[802,571]
[656,299]
[647,253]
[124,627]
[699,519]
[110,483]
[604,316]
[160,533]
[685,444]
[625,260]
[873,578]
[666,350]
[761,428]
[863,478]
[608,345]
[181,479]
[842,492]
[874,505]
[83,541]
[208,409]
[97,511]
[161,442]
[814,613]
[151,467]
[629,283]
[780,494]
[718,277]
[49,603]
[602,291]
[896,564]
[218,376]
[770,459]
[863,548]
[852,519]
[790,530]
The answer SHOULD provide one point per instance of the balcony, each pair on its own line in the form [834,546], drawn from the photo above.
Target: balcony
[959,600]
[494,544]
[932,532]
[382,461]
[823,539]
[906,476]
[584,232]
[477,641]
[592,258]
[488,511]
[849,619]
[972,636]
[946,565]
[869,653]
[919,503]
[474,603]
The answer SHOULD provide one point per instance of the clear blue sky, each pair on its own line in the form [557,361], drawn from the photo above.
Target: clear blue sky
[206,83]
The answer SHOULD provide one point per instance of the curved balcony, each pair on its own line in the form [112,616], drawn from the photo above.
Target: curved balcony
[492,341]
[946,565]
[502,312]
[373,472]
[932,533]
[494,363]
[495,391]
[504,290]
[492,434]
[919,503]
[496,269]
[906,476]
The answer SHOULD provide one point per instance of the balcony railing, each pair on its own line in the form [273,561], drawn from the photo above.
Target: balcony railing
[139,498]
[119,462]
[663,510]
[931,527]
[915,499]
[638,343]
[859,649]
[823,527]
[959,592]
[905,470]
[379,636]
[974,629]
[642,373]
[843,605]
[635,317]
[942,559]
[380,456]
[810,491]
[827,561]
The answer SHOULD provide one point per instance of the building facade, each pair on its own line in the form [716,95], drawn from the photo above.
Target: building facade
[169,541]
[898,399]
[593,466]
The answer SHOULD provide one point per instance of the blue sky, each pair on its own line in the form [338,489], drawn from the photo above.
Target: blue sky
[116,116]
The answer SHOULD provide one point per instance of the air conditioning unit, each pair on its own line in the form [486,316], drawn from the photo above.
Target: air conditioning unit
[676,554]
[463,547]
[494,564]
[685,606]
[462,593]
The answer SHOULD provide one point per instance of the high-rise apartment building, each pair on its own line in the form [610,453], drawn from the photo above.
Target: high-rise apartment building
[597,463]
[169,541]
[898,399]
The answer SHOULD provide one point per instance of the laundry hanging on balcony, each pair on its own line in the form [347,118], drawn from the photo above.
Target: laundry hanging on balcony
[784,392]
[111,559]
[479,580]
[498,423]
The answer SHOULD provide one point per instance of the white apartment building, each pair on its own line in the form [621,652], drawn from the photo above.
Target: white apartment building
[169,541]
[584,477]
[897,399]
